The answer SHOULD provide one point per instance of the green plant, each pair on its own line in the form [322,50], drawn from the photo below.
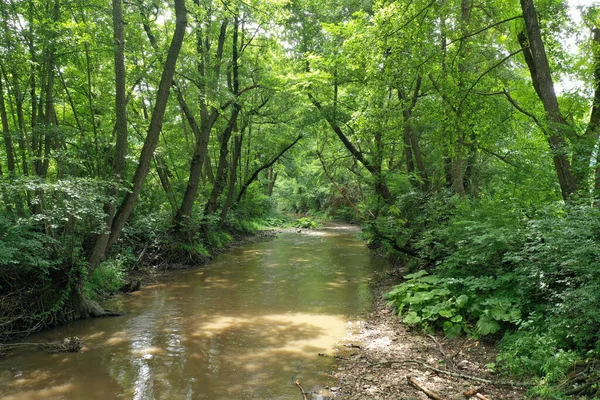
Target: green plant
[306,223]
[456,305]
[107,278]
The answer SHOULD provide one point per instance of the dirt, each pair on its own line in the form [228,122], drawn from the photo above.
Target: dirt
[382,354]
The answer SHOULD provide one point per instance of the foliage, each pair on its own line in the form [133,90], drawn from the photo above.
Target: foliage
[23,250]
[476,306]
[306,223]
[107,278]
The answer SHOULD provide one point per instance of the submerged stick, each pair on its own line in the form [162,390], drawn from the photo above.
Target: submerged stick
[301,390]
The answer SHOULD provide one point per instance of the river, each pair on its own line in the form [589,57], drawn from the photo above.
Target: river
[245,326]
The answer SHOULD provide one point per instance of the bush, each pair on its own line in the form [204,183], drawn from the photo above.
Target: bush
[306,223]
[107,278]
[477,306]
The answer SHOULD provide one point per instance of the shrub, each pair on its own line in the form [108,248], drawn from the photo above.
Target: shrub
[477,306]
[107,278]
[306,223]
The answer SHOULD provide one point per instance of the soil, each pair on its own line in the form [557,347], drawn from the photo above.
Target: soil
[382,353]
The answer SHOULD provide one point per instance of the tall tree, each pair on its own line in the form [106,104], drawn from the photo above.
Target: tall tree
[155,126]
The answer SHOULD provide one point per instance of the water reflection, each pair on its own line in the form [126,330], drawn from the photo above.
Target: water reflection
[244,327]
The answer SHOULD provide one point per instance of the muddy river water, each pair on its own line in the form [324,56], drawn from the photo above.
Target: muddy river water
[246,326]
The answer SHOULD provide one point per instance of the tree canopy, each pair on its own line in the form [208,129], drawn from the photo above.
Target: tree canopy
[462,135]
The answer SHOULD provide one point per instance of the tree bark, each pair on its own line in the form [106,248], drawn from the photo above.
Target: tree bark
[202,133]
[539,68]
[97,254]
[235,159]
[155,127]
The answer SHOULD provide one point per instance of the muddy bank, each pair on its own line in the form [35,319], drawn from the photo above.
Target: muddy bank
[383,354]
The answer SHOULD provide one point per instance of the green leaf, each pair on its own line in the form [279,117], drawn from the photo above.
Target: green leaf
[452,330]
[416,275]
[411,318]
[487,325]
[462,301]
[456,318]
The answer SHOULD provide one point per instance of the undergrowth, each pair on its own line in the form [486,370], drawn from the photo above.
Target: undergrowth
[525,276]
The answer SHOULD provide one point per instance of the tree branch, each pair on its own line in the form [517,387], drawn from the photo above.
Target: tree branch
[484,29]
[263,167]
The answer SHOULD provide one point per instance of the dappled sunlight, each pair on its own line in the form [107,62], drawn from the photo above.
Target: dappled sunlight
[289,332]
[219,283]
[150,350]
[243,327]
[117,338]
[41,394]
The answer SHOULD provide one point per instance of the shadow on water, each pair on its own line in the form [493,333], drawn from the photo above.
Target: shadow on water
[245,327]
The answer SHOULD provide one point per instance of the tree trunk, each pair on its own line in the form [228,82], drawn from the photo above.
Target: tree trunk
[539,68]
[207,121]
[8,145]
[221,176]
[235,159]
[155,127]
[98,252]
[380,185]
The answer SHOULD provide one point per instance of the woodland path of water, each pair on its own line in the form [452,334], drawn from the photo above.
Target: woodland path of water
[246,326]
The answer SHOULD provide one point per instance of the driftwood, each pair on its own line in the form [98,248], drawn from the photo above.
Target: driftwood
[301,390]
[431,394]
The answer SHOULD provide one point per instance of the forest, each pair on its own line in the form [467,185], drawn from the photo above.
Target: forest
[462,135]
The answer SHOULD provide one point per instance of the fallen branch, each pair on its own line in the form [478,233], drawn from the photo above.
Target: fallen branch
[301,390]
[433,395]
[472,392]
[481,397]
[456,374]
[439,345]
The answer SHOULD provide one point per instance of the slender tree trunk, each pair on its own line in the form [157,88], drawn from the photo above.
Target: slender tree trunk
[221,177]
[155,127]
[539,68]
[412,150]
[98,251]
[235,158]
[202,133]
[8,145]
[381,187]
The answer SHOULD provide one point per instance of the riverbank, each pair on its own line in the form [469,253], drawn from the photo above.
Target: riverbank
[384,354]
[156,264]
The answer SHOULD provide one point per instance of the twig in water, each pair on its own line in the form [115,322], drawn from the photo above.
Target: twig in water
[301,390]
